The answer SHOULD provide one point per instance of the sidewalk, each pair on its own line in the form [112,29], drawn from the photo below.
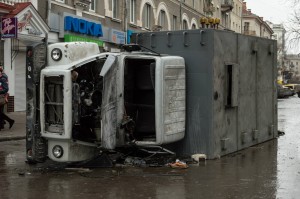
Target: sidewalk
[18,131]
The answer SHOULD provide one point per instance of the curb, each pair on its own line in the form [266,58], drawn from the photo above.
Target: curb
[10,138]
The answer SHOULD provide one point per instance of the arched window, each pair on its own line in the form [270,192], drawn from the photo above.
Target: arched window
[162,19]
[184,25]
[147,16]
[193,26]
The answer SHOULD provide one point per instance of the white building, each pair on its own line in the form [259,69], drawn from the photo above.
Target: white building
[236,16]
[31,28]
[255,25]
[279,35]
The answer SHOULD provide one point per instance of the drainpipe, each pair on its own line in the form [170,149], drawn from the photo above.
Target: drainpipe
[180,12]
[48,11]
[125,19]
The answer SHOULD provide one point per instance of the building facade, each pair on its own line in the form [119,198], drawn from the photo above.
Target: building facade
[109,23]
[279,36]
[236,16]
[254,25]
[31,29]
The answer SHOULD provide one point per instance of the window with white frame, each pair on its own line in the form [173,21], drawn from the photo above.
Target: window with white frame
[93,5]
[115,6]
[162,17]
[132,11]
[147,15]
[174,22]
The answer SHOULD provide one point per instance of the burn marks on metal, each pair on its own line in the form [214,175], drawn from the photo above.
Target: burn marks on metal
[36,57]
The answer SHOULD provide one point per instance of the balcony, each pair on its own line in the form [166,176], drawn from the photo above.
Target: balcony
[82,4]
[209,9]
[12,2]
[226,5]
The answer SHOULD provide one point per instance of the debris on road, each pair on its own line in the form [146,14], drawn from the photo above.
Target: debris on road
[178,165]
[281,133]
[199,157]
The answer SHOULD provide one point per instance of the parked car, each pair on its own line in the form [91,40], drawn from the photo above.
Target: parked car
[284,92]
[294,87]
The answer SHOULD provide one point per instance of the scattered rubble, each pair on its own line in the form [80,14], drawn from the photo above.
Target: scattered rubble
[178,165]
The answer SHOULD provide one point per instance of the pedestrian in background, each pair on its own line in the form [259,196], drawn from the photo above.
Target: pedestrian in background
[4,95]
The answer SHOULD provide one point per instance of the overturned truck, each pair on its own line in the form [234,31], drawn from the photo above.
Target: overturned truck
[198,91]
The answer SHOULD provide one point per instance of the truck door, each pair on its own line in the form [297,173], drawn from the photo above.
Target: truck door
[109,104]
[171,99]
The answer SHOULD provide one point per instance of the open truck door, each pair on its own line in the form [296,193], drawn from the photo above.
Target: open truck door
[154,99]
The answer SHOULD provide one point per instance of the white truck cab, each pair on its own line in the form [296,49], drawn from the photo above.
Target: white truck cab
[89,101]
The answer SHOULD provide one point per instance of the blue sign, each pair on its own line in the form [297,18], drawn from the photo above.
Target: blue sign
[117,36]
[83,27]
[129,33]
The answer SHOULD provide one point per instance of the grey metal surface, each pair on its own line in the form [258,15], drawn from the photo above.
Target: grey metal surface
[214,127]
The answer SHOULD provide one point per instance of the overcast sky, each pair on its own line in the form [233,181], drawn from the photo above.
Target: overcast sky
[276,11]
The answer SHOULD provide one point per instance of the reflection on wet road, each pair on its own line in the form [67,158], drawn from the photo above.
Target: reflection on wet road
[268,170]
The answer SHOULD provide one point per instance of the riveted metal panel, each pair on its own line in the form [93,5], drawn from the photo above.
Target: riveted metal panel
[213,127]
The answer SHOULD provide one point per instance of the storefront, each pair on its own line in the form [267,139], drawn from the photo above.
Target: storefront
[75,28]
[31,29]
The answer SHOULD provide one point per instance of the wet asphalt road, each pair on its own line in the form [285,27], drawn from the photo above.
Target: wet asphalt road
[268,170]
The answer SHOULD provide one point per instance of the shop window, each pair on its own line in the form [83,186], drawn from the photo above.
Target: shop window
[93,5]
[132,11]
[115,6]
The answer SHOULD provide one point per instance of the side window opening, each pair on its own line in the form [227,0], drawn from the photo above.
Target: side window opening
[229,86]
[232,85]
[54,117]
[139,98]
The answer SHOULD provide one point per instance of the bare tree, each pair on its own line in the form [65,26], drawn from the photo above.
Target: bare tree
[293,26]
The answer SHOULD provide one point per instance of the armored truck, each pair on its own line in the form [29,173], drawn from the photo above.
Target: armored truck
[188,92]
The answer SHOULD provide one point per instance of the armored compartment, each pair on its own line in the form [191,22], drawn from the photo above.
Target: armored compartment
[230,83]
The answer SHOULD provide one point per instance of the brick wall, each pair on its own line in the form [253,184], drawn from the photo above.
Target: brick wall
[10,106]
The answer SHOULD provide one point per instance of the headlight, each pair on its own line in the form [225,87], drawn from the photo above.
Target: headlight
[56,54]
[57,151]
